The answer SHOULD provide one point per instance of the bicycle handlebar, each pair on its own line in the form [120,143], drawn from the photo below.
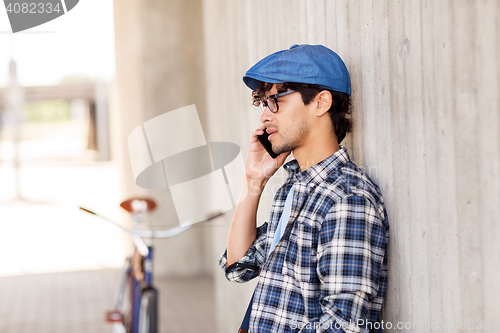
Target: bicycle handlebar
[151,233]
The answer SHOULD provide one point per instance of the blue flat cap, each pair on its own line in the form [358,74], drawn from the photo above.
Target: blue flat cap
[311,64]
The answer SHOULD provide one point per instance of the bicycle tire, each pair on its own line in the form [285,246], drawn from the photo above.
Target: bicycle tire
[148,313]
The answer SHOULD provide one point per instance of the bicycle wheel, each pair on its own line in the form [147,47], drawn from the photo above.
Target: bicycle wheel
[148,315]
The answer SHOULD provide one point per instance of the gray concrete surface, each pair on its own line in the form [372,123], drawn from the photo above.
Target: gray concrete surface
[76,302]
[425,95]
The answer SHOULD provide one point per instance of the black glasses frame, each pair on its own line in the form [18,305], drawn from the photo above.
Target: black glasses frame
[264,104]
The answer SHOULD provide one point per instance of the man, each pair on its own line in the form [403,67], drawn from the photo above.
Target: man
[321,259]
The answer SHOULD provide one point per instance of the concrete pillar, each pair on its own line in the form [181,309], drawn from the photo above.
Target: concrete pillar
[159,68]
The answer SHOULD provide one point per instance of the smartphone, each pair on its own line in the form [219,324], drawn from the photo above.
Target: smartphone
[263,139]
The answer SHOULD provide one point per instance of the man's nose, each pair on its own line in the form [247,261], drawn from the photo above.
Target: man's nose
[267,116]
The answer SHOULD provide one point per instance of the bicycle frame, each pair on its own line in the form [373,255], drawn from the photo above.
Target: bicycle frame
[143,315]
[138,288]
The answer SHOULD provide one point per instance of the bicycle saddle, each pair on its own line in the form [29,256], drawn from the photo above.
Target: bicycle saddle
[138,205]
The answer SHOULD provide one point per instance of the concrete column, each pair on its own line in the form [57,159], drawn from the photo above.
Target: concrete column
[159,68]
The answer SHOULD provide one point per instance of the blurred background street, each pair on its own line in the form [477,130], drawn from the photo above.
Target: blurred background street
[59,266]
[44,229]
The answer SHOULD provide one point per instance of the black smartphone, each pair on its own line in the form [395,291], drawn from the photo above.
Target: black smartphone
[263,139]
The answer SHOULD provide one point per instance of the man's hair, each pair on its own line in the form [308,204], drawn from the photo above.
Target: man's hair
[339,111]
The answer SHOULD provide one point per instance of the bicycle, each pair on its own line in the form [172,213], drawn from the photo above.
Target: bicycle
[136,298]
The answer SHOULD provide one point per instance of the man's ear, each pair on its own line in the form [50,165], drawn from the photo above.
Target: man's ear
[323,102]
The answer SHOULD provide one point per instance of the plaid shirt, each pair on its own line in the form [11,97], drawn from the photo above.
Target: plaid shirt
[328,273]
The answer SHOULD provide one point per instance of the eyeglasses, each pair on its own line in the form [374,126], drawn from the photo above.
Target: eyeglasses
[271,102]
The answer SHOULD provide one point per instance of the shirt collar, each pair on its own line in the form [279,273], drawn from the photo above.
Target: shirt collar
[319,172]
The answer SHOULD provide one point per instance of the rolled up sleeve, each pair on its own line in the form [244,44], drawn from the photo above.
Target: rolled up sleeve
[248,267]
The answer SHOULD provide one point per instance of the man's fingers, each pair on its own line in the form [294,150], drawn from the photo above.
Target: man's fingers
[258,132]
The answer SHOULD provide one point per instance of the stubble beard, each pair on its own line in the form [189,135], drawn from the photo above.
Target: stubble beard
[291,139]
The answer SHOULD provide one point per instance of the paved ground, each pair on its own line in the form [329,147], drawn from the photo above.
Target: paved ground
[58,265]
[75,302]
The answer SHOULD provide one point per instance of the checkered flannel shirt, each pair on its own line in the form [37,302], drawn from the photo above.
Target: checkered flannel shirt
[328,273]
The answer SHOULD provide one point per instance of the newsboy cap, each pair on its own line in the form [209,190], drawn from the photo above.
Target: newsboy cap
[311,64]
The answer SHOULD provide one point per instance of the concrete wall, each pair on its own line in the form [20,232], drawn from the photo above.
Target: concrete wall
[426,96]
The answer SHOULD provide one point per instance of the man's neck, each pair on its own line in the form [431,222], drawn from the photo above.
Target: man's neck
[312,153]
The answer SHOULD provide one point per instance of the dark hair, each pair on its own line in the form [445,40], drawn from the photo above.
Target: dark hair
[339,110]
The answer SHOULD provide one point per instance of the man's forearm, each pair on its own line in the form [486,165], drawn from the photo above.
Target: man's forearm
[243,228]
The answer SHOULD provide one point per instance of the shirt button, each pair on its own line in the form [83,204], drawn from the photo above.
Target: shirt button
[311,185]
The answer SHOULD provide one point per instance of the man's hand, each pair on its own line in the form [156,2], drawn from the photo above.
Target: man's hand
[260,166]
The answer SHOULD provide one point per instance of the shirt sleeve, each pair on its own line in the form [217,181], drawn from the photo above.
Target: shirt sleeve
[351,250]
[248,267]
